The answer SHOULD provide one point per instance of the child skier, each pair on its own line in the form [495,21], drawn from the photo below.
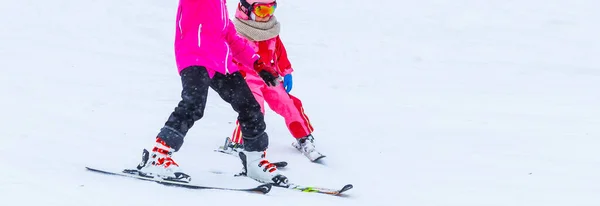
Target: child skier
[205,44]
[255,21]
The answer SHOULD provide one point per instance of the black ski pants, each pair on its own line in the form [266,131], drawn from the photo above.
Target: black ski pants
[233,89]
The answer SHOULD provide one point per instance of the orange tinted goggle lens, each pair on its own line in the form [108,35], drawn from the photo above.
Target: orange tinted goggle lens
[264,10]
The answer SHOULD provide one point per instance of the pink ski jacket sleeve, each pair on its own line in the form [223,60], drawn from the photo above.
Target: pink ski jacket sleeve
[241,50]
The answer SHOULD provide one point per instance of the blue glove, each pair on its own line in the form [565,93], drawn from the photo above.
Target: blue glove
[287,83]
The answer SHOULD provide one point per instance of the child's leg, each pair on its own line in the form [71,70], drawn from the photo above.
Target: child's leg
[290,108]
[195,81]
[256,84]
[233,89]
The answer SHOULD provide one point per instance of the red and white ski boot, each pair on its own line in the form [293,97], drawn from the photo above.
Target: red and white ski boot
[260,169]
[158,163]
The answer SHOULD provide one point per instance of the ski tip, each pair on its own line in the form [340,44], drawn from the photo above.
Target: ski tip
[94,170]
[346,188]
[341,193]
[265,188]
[281,164]
[319,159]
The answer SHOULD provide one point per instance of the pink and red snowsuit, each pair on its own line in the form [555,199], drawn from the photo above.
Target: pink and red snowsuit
[282,103]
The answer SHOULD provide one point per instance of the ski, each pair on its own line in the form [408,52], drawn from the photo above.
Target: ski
[335,192]
[133,173]
[302,188]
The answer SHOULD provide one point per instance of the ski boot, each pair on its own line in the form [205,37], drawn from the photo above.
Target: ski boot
[159,164]
[307,147]
[260,169]
[234,149]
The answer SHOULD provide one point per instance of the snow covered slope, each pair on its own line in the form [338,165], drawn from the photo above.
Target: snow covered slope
[462,103]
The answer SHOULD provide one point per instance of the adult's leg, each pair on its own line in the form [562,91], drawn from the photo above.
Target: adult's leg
[233,89]
[195,81]
[256,85]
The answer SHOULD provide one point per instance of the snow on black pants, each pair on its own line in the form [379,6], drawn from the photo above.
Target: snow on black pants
[233,89]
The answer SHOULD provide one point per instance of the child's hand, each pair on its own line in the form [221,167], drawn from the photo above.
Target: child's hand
[269,79]
[287,83]
[266,72]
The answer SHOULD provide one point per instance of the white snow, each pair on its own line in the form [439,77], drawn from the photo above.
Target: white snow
[420,103]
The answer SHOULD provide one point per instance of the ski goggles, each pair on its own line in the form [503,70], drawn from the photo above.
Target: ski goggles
[264,10]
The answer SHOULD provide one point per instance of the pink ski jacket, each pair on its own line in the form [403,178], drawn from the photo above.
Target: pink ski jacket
[205,36]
